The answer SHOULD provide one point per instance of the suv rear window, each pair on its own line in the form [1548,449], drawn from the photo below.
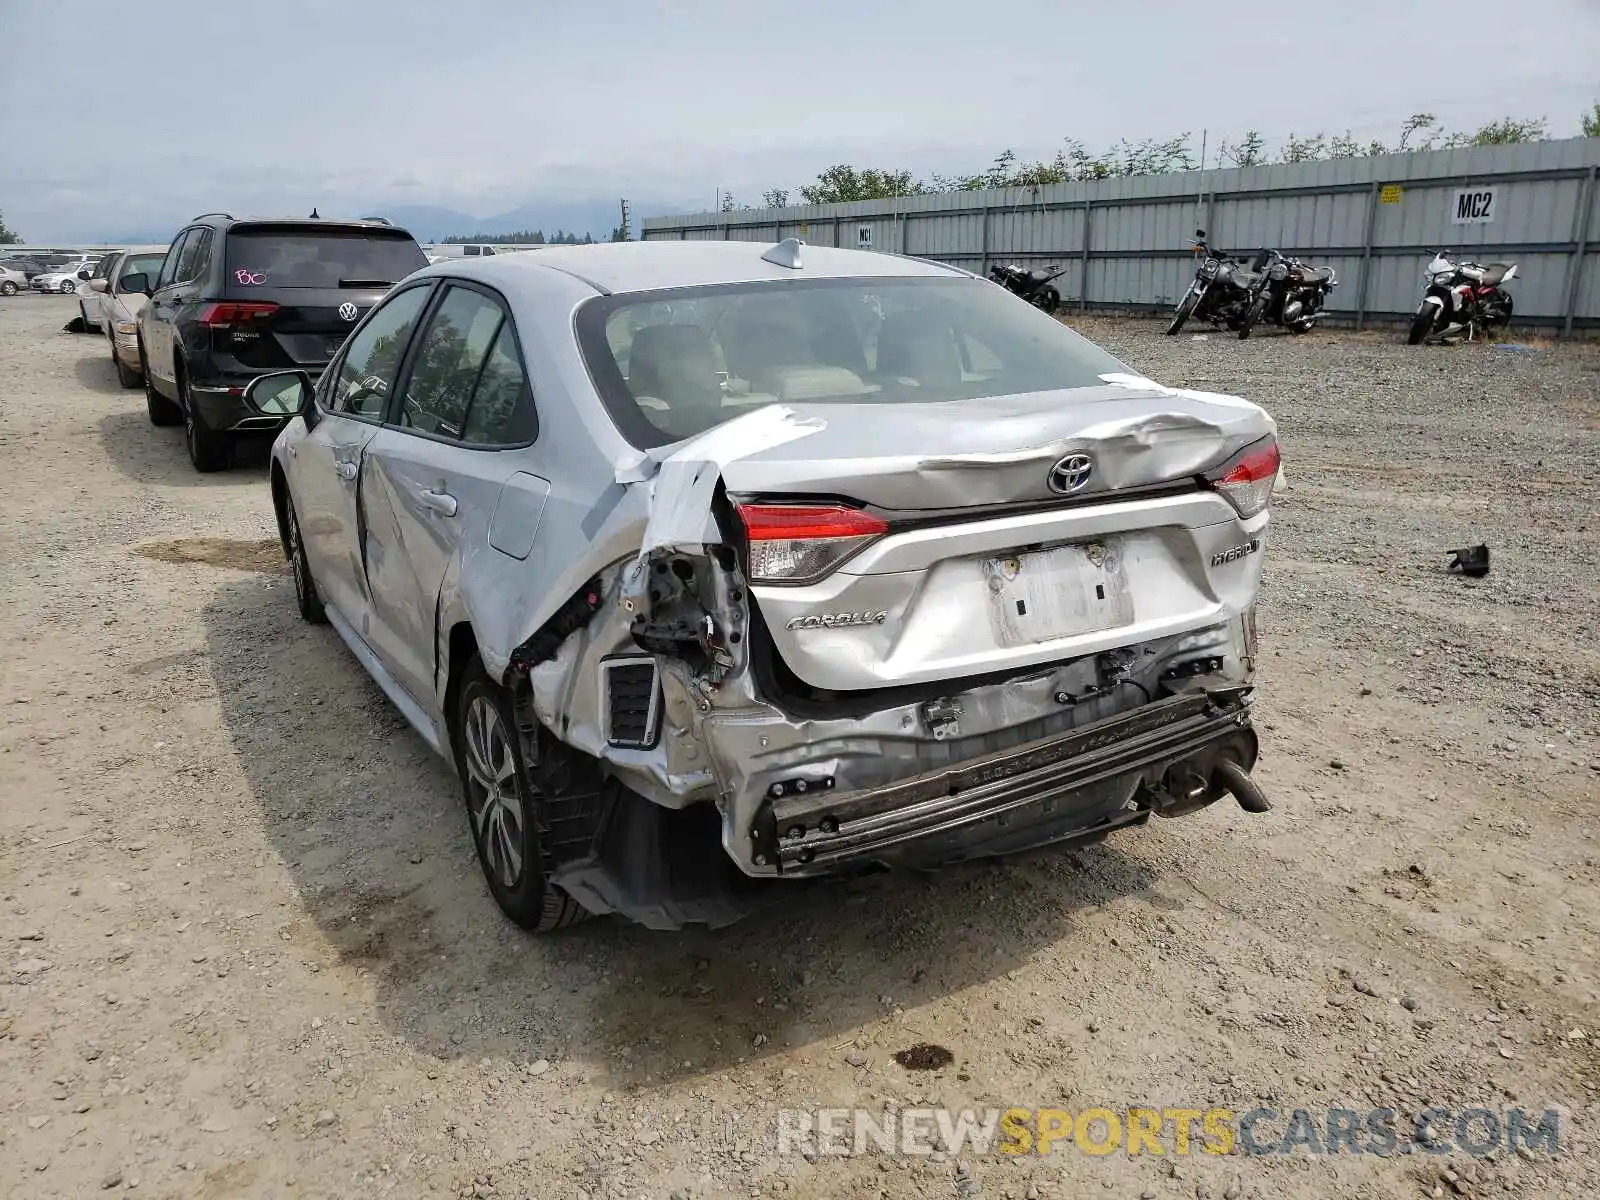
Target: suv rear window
[328,258]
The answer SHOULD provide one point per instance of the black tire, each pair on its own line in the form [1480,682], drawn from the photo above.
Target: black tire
[1185,310]
[128,377]
[505,823]
[1251,316]
[1421,325]
[208,450]
[1047,299]
[8,287]
[66,287]
[306,596]
[162,411]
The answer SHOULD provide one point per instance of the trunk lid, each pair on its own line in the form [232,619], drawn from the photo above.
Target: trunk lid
[998,450]
[978,572]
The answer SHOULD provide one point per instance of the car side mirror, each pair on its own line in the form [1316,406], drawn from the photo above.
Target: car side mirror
[281,394]
[97,285]
[137,282]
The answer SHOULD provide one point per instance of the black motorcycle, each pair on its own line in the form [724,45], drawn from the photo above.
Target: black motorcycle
[1222,291]
[1287,292]
[1033,286]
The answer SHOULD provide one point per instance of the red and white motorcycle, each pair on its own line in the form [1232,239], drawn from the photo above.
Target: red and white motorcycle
[1462,297]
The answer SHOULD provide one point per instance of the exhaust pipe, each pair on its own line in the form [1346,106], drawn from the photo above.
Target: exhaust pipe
[1231,776]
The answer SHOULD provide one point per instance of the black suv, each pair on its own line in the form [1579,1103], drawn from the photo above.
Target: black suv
[237,298]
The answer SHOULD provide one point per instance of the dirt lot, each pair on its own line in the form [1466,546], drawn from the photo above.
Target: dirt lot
[249,953]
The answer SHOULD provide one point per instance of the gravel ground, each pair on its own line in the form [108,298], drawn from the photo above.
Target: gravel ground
[249,953]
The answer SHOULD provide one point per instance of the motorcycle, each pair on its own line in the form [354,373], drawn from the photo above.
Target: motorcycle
[1287,292]
[1032,286]
[1462,296]
[1222,290]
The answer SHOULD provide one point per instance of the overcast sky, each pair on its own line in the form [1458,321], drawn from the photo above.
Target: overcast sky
[138,114]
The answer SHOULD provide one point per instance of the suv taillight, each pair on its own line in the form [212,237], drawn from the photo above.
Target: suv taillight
[1246,480]
[800,543]
[228,312]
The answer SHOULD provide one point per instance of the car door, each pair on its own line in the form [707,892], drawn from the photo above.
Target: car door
[325,477]
[436,470]
[155,320]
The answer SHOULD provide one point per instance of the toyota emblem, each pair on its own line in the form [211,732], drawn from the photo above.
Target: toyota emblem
[1071,473]
[348,311]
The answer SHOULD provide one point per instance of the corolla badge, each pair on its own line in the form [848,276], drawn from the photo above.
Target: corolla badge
[841,620]
[1070,474]
[348,311]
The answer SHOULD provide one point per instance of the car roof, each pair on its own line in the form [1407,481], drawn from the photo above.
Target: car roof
[648,266]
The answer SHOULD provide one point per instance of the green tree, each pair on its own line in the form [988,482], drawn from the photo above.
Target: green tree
[1251,152]
[842,183]
[775,198]
[8,238]
[1591,121]
[1507,131]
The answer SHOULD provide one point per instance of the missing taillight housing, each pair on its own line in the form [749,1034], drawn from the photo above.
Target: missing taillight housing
[800,543]
[228,312]
[1246,480]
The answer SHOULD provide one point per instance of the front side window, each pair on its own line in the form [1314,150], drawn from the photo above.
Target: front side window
[670,365]
[189,260]
[169,265]
[372,358]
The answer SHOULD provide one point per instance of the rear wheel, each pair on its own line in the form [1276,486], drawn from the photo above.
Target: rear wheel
[8,287]
[504,807]
[1421,325]
[208,449]
[1185,310]
[1047,299]
[162,411]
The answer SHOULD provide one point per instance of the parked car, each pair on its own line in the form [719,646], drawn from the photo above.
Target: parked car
[62,279]
[88,295]
[236,298]
[29,267]
[115,309]
[11,281]
[713,567]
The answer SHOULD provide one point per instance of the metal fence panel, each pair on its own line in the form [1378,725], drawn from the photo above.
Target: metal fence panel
[1372,219]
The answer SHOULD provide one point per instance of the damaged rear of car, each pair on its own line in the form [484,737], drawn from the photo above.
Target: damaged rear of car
[886,568]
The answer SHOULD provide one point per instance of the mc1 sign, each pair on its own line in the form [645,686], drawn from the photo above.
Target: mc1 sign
[1472,206]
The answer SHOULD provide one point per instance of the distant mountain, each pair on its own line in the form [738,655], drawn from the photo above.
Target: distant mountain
[597,218]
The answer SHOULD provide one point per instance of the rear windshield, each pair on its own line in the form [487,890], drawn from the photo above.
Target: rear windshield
[320,258]
[670,365]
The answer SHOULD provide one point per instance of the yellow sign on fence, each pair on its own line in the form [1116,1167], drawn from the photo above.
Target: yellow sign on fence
[1391,193]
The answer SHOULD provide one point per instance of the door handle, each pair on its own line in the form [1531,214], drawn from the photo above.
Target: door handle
[347,470]
[441,502]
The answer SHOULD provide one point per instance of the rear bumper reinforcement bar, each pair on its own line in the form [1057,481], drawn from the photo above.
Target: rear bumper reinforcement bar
[1032,781]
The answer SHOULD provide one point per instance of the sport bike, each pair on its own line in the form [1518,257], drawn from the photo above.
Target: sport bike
[1462,297]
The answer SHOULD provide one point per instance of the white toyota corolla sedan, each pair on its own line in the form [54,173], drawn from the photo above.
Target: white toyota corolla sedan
[714,567]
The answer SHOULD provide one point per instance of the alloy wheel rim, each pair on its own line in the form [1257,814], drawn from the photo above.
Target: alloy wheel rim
[296,557]
[493,800]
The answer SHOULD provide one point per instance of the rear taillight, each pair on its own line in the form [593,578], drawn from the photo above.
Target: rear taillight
[1246,480]
[220,316]
[800,543]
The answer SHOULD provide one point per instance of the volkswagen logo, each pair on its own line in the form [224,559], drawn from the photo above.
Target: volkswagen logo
[348,311]
[1071,473]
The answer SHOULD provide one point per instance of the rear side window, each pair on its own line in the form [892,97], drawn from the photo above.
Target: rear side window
[450,357]
[467,381]
[332,258]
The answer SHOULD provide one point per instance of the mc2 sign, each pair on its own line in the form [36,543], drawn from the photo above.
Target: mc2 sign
[1473,206]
